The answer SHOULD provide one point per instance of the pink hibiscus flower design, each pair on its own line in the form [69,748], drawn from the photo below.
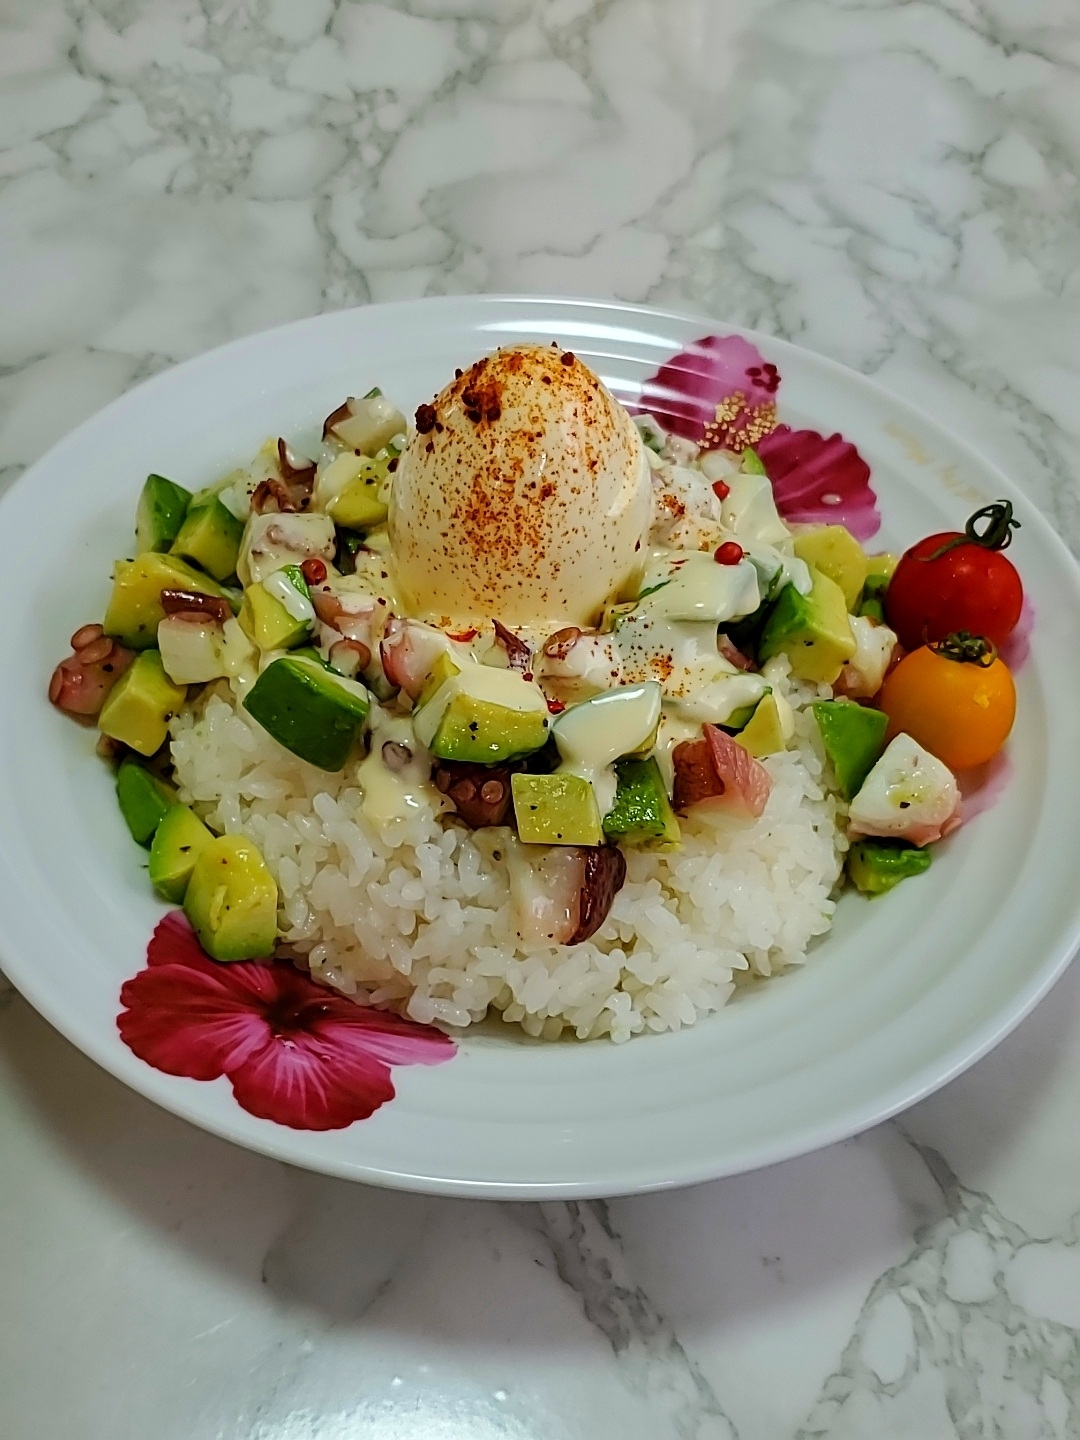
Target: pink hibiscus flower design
[293,1051]
[721,393]
[819,481]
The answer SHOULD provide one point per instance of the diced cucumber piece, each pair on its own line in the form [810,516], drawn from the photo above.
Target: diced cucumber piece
[231,900]
[854,737]
[210,538]
[141,704]
[309,708]
[135,609]
[555,809]
[144,799]
[178,842]
[877,866]
[642,813]
[160,513]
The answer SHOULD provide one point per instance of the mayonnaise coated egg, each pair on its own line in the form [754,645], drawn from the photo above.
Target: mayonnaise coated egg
[523,494]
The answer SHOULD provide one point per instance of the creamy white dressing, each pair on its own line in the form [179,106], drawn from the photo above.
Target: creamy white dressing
[391,795]
[283,588]
[691,585]
[271,541]
[749,511]
[593,735]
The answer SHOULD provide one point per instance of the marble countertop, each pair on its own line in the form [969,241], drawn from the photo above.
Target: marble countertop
[893,184]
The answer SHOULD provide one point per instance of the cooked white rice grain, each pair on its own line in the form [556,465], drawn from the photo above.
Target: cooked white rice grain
[419,916]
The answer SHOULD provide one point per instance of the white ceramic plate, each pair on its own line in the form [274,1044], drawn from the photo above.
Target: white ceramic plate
[903,994]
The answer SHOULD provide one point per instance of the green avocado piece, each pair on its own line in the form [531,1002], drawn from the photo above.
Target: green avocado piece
[144,799]
[141,704]
[358,505]
[876,866]
[265,620]
[479,730]
[309,708]
[642,813]
[160,513]
[556,809]
[178,842]
[135,609]
[879,573]
[210,538]
[835,552]
[231,900]
[763,733]
[813,630]
[854,737]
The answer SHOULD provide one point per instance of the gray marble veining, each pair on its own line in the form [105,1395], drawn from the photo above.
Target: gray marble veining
[894,184]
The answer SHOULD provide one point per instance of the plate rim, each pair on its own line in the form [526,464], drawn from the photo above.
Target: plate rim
[279,1142]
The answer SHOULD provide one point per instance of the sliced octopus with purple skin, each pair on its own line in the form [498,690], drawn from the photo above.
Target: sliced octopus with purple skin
[568,893]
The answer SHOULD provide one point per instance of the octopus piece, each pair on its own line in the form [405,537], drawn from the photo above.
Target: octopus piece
[481,793]
[717,771]
[564,894]
[80,684]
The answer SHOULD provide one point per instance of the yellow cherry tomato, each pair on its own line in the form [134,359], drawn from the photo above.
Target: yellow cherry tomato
[955,698]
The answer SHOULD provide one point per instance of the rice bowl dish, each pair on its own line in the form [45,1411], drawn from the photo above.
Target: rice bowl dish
[593,733]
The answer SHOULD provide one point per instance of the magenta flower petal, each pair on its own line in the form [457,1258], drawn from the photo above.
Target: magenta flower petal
[187,1023]
[720,393]
[819,481]
[294,1052]
[308,1084]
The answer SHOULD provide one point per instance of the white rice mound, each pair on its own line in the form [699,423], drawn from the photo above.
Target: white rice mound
[419,916]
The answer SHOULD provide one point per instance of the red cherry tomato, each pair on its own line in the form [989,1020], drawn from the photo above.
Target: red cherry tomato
[958,581]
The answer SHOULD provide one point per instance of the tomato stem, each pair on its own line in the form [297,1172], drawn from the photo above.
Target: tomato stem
[966,649]
[994,534]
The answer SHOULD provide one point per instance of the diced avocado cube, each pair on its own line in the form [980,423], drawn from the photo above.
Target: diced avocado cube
[231,900]
[854,737]
[358,506]
[813,630]
[144,799]
[178,842]
[876,866]
[135,609]
[444,669]
[763,733]
[265,618]
[141,704]
[160,513]
[879,573]
[483,714]
[309,708]
[210,538]
[556,810]
[836,553]
[642,813]
[751,462]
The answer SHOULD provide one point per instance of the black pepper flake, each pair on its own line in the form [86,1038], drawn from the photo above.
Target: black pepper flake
[425,419]
[391,466]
